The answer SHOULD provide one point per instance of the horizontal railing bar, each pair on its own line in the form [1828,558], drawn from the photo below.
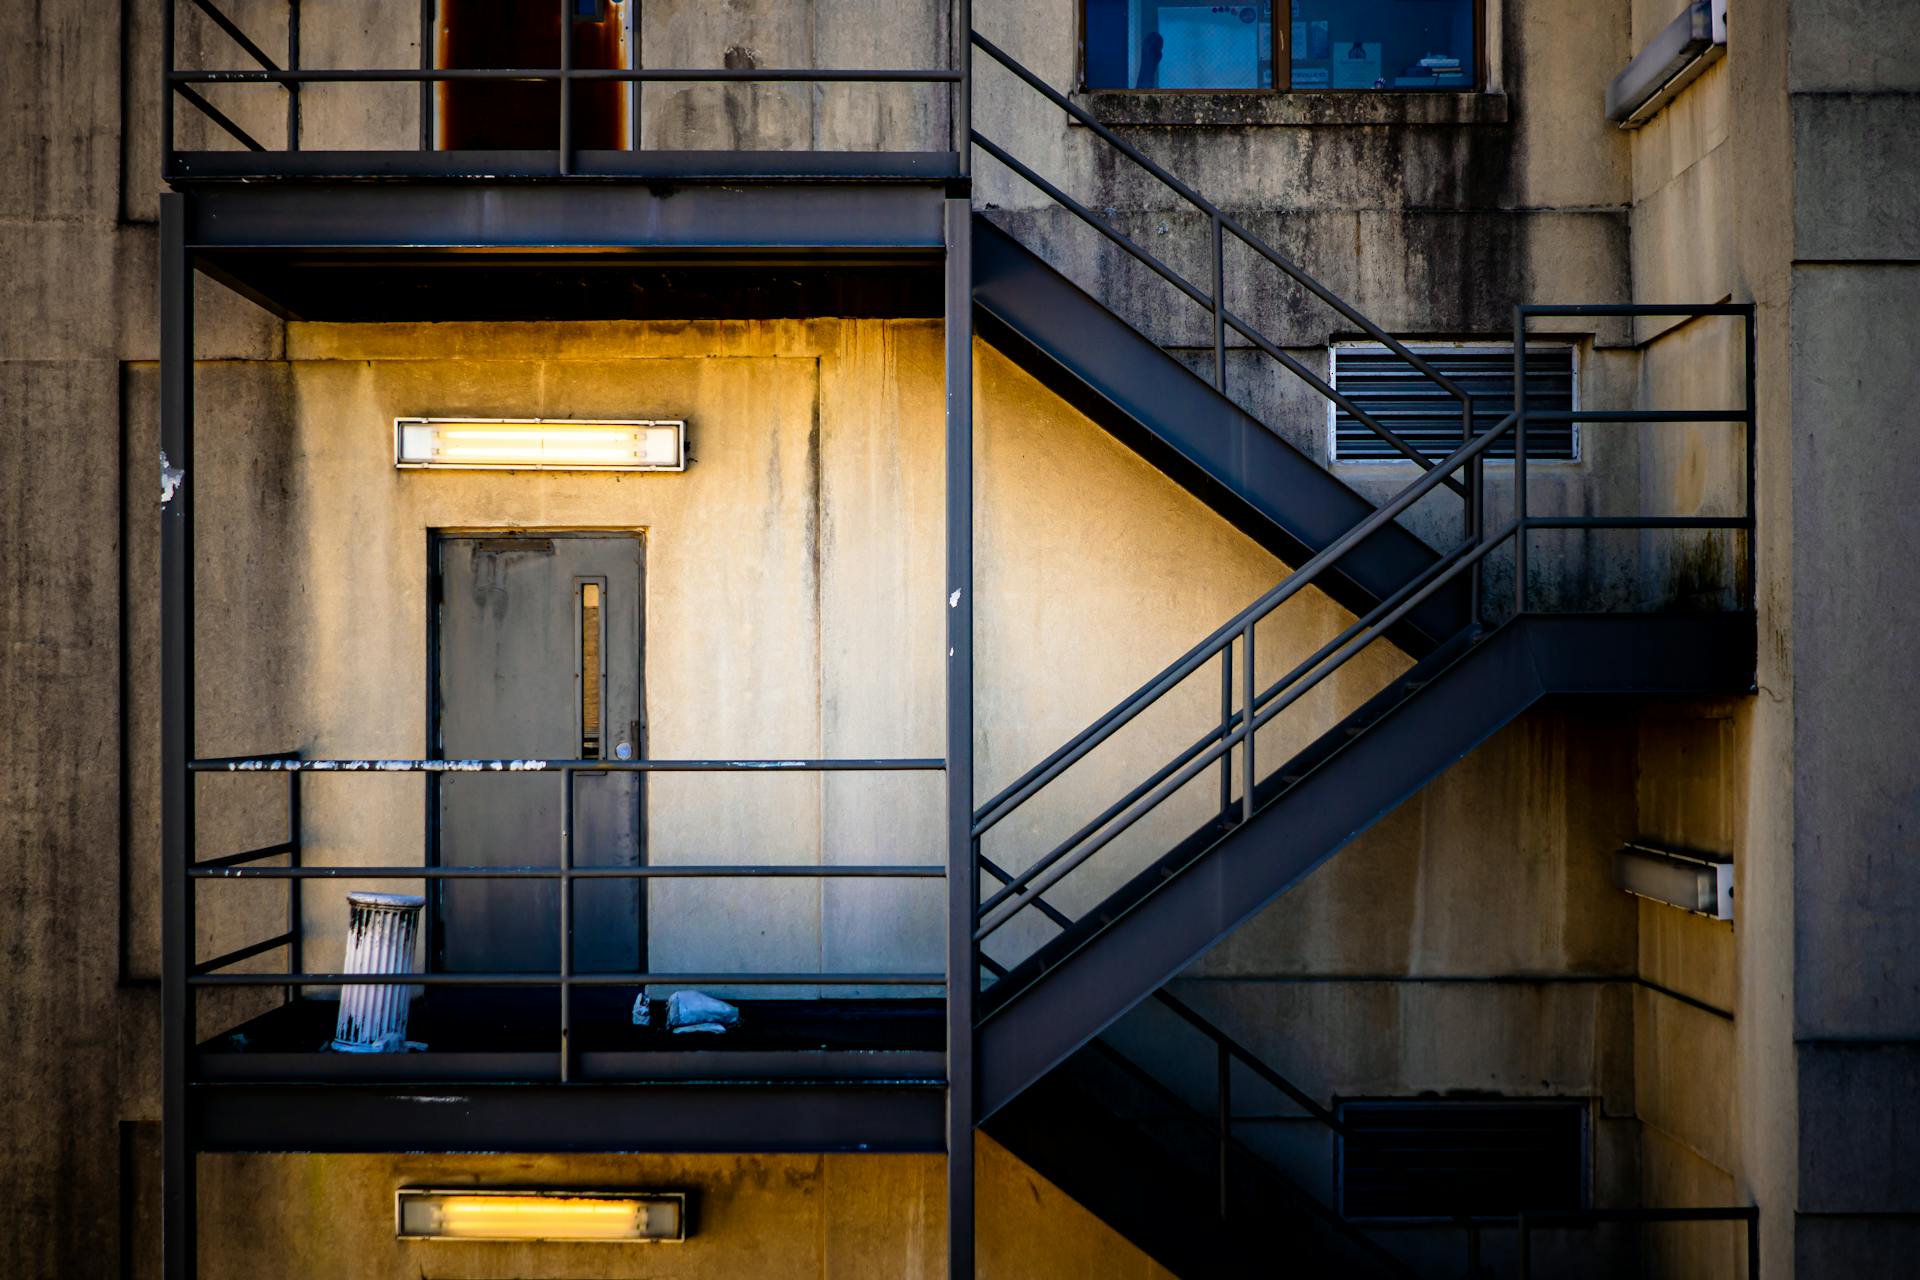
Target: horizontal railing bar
[1636,309]
[238,36]
[931,871]
[1587,1217]
[1252,241]
[1639,522]
[220,118]
[1095,221]
[577,980]
[1101,729]
[251,855]
[419,75]
[1636,415]
[246,952]
[282,764]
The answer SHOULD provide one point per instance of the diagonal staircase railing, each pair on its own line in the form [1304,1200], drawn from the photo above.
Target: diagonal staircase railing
[1259,706]
[1213,299]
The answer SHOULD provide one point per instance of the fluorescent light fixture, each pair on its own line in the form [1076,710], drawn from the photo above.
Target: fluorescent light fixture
[539,444]
[1672,60]
[638,1217]
[1693,882]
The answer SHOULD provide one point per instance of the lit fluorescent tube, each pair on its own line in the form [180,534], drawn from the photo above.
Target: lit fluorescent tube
[536,444]
[1691,882]
[573,1216]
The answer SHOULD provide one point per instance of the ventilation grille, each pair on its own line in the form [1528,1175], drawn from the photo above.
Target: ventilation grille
[1414,407]
[1447,1159]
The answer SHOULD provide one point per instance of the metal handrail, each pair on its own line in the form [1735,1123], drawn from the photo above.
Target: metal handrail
[1078,747]
[178,82]
[294,767]
[1222,223]
[1237,728]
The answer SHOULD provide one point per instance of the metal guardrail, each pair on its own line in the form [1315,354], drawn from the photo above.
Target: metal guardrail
[179,83]
[1213,300]
[1258,707]
[291,765]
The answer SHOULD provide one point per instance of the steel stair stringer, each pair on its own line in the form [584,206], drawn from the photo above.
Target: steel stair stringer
[1064,995]
[1228,459]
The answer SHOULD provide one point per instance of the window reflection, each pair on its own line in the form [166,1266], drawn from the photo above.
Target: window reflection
[1368,45]
[1382,44]
[1151,44]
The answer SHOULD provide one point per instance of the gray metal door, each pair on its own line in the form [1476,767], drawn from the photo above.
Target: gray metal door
[538,656]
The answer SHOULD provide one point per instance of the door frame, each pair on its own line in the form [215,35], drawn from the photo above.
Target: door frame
[432,941]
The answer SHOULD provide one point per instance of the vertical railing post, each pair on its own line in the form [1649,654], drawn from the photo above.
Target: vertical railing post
[636,55]
[1219,306]
[566,87]
[177,481]
[1226,731]
[293,86]
[1476,509]
[963,112]
[426,64]
[1753,1245]
[1246,724]
[962,861]
[1223,1069]
[566,926]
[166,88]
[1748,321]
[296,959]
[1519,461]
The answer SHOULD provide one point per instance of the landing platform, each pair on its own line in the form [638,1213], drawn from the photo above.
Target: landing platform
[406,236]
[513,1035]
[797,1075]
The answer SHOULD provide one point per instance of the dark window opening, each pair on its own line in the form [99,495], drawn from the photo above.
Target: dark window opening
[1446,1159]
[491,115]
[1419,411]
[1363,45]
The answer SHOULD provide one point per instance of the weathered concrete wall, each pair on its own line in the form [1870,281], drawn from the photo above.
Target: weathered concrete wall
[828,1216]
[1854,76]
[793,608]
[1433,215]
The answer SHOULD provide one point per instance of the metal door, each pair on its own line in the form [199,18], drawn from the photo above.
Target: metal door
[537,655]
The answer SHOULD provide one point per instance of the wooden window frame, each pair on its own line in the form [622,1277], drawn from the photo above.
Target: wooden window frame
[1283,60]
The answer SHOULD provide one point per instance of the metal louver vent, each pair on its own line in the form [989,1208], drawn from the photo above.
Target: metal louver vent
[1414,407]
[1445,1159]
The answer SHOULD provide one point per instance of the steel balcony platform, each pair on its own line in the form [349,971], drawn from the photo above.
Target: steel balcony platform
[796,1075]
[737,235]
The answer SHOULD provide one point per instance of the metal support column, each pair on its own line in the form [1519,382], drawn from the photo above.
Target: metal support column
[177,481]
[962,887]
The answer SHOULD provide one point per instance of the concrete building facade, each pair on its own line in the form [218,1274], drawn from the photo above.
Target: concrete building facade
[1469,945]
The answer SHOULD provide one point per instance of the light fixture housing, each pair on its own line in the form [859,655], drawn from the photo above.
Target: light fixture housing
[1700,883]
[540,444]
[1673,59]
[561,1215]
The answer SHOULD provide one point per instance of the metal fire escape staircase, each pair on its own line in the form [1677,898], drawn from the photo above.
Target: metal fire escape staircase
[422,235]
[1047,1085]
